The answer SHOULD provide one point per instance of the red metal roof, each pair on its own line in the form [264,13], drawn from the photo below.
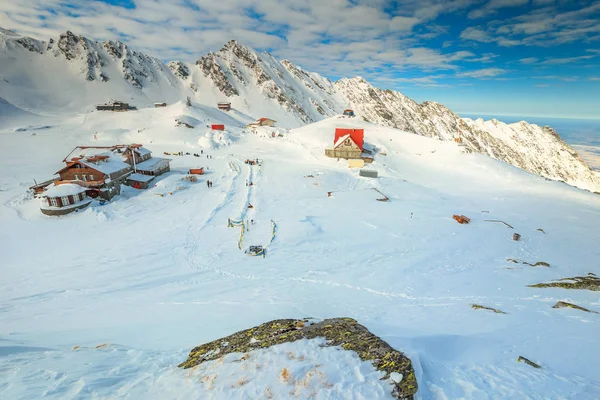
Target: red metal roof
[217,127]
[357,135]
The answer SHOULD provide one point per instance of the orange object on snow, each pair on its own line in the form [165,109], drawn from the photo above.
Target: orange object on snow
[461,219]
[197,171]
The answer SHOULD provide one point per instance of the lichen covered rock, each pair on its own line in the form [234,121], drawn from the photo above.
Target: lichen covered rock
[590,282]
[343,332]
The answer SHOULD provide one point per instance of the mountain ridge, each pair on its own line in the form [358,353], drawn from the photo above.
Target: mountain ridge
[258,84]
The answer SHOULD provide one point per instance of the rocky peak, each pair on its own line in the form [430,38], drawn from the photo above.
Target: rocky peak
[12,39]
[179,69]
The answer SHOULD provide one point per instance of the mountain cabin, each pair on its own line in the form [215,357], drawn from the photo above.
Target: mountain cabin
[262,122]
[348,144]
[114,106]
[159,105]
[224,106]
[349,113]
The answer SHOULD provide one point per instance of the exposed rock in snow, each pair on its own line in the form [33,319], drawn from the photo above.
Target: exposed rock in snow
[179,69]
[343,332]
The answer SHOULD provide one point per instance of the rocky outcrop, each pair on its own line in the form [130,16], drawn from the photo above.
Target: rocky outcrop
[179,69]
[212,70]
[589,282]
[343,332]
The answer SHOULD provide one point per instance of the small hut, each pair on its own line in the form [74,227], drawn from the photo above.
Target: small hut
[159,105]
[349,113]
[139,181]
[114,106]
[217,127]
[224,106]
[368,173]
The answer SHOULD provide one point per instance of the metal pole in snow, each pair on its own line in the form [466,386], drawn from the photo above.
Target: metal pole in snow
[133,157]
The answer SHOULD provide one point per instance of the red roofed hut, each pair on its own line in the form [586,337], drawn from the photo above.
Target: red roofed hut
[348,143]
[217,127]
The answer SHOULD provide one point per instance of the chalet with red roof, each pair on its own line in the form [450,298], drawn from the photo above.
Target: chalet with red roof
[101,173]
[262,122]
[348,143]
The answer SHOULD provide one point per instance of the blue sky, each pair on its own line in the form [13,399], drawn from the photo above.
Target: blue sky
[498,57]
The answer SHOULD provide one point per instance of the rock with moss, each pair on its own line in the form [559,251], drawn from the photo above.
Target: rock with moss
[590,282]
[480,307]
[564,304]
[343,332]
[528,362]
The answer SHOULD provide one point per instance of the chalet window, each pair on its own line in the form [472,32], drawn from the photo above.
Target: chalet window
[65,200]
[76,177]
[53,202]
[76,198]
[84,178]
[91,177]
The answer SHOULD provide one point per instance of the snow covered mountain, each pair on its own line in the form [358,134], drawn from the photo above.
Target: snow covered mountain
[72,73]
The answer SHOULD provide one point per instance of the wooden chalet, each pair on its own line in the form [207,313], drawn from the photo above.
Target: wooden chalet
[114,106]
[348,144]
[224,106]
[64,199]
[145,167]
[262,122]
[101,174]
[159,105]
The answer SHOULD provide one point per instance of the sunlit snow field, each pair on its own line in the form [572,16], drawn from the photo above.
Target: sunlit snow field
[106,302]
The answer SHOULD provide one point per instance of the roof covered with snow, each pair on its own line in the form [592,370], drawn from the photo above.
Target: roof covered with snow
[152,164]
[142,151]
[66,189]
[108,166]
[140,177]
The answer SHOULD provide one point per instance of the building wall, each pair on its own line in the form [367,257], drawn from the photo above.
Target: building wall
[60,203]
[76,172]
[347,149]
[268,122]
[63,211]
[356,163]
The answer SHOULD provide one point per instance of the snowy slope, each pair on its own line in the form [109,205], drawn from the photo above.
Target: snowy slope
[138,282]
[71,74]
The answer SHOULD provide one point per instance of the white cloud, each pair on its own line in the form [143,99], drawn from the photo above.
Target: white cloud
[493,6]
[484,73]
[529,60]
[546,24]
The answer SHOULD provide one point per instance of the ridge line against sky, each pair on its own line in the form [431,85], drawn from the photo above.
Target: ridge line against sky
[501,57]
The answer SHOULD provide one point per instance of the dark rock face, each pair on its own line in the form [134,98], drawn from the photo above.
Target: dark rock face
[29,44]
[179,69]
[210,68]
[343,332]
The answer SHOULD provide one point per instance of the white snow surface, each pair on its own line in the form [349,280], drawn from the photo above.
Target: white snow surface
[65,189]
[155,272]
